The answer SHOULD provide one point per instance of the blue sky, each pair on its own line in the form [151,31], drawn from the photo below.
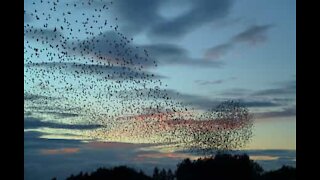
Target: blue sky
[208,51]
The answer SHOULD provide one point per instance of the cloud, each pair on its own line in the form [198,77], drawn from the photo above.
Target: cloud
[34,123]
[244,96]
[288,88]
[259,103]
[57,114]
[32,97]
[59,151]
[252,35]
[114,145]
[39,108]
[72,156]
[148,55]
[134,22]
[209,82]
[205,103]
[218,51]
[32,141]
[235,92]
[47,158]
[220,81]
[274,92]
[264,158]
[109,47]
[170,54]
[50,36]
[150,20]
[284,93]
[282,97]
[147,155]
[196,101]
[200,13]
[113,49]
[285,112]
[109,72]
[273,158]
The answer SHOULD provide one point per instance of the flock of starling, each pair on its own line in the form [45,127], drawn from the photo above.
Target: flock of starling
[80,69]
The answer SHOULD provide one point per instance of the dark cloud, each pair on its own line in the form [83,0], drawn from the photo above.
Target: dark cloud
[37,107]
[110,47]
[200,82]
[33,123]
[282,96]
[288,88]
[282,157]
[38,166]
[170,54]
[271,152]
[281,93]
[227,22]
[113,49]
[285,101]
[92,155]
[34,142]
[205,103]
[285,112]
[220,81]
[49,35]
[32,97]
[201,12]
[235,92]
[218,51]
[44,158]
[274,92]
[145,55]
[260,103]
[114,72]
[194,100]
[137,15]
[59,115]
[252,35]
[144,16]
[166,52]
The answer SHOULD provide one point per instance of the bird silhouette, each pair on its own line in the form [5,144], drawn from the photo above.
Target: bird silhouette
[81,67]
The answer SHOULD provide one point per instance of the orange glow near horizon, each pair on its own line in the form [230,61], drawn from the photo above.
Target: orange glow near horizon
[59,151]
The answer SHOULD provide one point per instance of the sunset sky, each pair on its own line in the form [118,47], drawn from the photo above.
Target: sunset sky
[208,51]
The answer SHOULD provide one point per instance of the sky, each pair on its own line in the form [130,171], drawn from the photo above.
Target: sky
[200,53]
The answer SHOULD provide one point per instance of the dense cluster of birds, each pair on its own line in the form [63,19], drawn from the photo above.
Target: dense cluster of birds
[79,68]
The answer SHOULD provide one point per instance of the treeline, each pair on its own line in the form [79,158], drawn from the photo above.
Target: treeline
[221,167]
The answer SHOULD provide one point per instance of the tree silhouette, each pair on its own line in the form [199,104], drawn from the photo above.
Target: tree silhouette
[155,173]
[170,175]
[163,174]
[220,167]
[120,172]
[284,173]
